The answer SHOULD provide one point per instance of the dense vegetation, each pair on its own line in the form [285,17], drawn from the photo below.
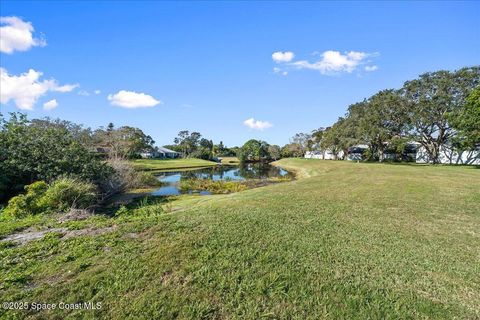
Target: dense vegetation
[192,145]
[437,109]
[52,152]
[346,240]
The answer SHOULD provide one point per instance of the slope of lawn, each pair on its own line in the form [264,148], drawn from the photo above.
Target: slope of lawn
[344,241]
[163,164]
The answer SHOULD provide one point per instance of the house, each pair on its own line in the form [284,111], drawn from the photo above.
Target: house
[160,152]
[356,152]
[167,153]
[323,155]
[449,155]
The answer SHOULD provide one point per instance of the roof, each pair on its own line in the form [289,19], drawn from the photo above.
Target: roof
[165,150]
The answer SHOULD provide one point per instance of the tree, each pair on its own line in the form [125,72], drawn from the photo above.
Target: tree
[254,150]
[189,142]
[433,98]
[292,150]
[315,138]
[124,142]
[302,140]
[331,140]
[274,152]
[31,152]
[379,119]
[467,122]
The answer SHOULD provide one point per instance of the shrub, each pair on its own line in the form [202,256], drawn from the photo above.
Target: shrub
[61,195]
[28,203]
[122,211]
[124,177]
[212,186]
[146,179]
[66,193]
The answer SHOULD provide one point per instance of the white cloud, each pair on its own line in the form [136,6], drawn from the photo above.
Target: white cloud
[52,104]
[286,56]
[66,88]
[131,99]
[279,71]
[97,91]
[16,35]
[334,62]
[371,68]
[257,124]
[83,93]
[25,89]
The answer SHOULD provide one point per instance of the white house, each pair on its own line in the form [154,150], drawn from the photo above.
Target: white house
[355,153]
[450,156]
[160,152]
[323,155]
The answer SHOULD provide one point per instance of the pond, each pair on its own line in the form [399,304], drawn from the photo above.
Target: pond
[243,172]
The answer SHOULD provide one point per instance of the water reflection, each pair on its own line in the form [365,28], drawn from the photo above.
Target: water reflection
[233,173]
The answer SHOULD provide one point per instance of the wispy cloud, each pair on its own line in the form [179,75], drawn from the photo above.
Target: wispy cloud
[257,124]
[25,89]
[334,62]
[132,99]
[17,35]
[330,62]
[280,71]
[65,88]
[50,105]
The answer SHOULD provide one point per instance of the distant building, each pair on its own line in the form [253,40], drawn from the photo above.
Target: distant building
[160,152]
[323,155]
[356,152]
[449,155]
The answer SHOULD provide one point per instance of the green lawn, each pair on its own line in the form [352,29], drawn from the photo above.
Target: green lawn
[157,164]
[230,160]
[344,241]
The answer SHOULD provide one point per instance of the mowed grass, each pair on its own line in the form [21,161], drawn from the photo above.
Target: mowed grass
[230,160]
[344,241]
[163,164]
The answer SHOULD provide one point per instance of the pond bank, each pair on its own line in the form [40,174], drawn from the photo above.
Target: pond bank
[220,179]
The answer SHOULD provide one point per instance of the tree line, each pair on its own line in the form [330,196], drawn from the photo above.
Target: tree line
[438,109]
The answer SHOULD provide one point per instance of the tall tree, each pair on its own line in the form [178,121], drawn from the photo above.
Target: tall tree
[124,142]
[432,98]
[302,140]
[379,119]
[467,122]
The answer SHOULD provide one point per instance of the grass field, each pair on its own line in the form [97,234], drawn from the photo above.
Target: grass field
[230,160]
[157,164]
[344,241]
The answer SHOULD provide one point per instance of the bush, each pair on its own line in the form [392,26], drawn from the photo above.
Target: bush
[66,193]
[217,187]
[28,203]
[124,177]
[61,195]
[146,179]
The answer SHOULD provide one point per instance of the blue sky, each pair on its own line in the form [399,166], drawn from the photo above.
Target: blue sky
[208,66]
